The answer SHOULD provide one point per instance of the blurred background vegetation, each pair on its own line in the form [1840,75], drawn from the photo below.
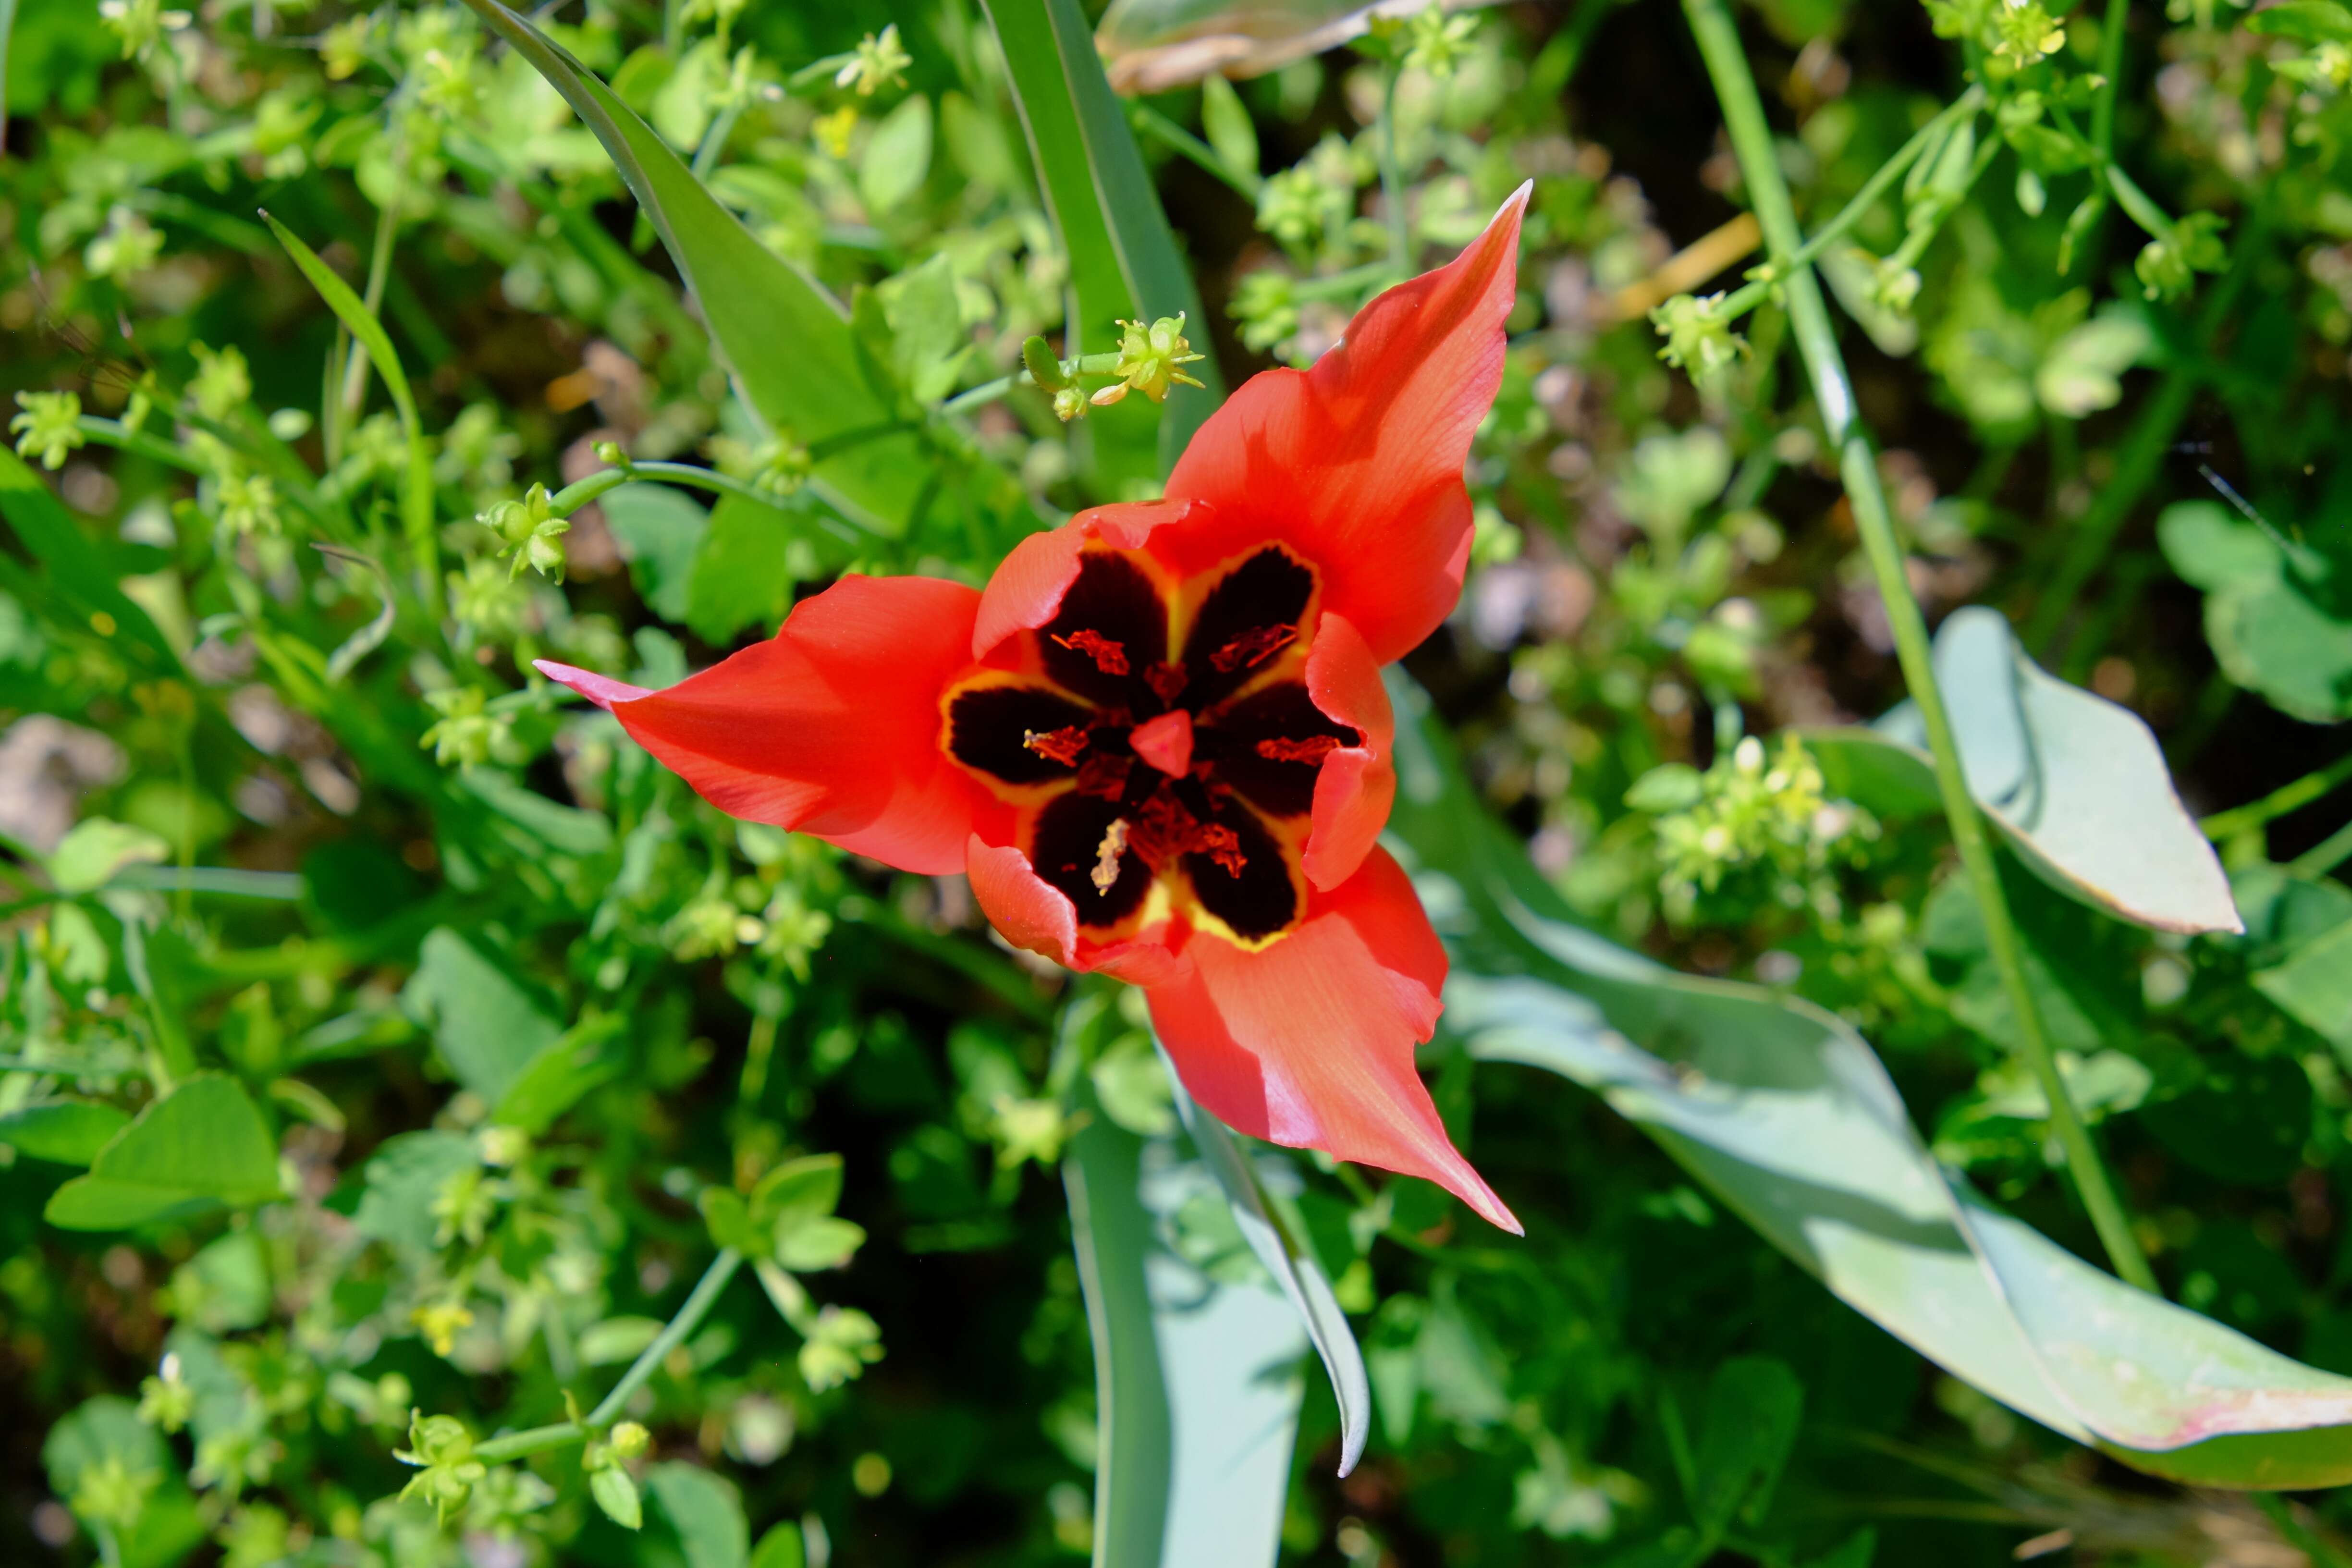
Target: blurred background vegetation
[504,1004]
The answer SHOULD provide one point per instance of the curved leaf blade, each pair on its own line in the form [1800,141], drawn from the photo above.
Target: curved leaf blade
[200,1147]
[1294,1268]
[1195,1435]
[2076,783]
[1123,259]
[1785,1113]
[787,341]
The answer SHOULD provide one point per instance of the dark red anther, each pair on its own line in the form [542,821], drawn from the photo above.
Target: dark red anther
[1253,647]
[1062,745]
[1312,749]
[1165,679]
[1105,775]
[1219,844]
[1110,657]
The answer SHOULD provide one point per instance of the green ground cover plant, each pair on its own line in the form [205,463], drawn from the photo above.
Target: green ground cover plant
[1882,792]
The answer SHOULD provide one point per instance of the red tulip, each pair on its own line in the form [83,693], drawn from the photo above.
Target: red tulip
[1157,741]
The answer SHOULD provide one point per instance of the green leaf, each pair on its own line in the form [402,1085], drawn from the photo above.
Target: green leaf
[1752,1409]
[489,1025]
[618,1340]
[826,1243]
[1123,259]
[201,1146]
[565,828]
[562,1074]
[68,1131]
[784,337]
[1292,1264]
[1196,1421]
[2082,371]
[706,1513]
[660,532]
[2076,783]
[416,483]
[403,1176]
[616,1494]
[740,576]
[74,580]
[2311,21]
[1782,1113]
[2268,627]
[89,857]
[1227,121]
[897,156]
[782,1547]
[728,1219]
[2315,987]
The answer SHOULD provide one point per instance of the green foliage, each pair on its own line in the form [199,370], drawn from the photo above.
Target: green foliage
[429,1134]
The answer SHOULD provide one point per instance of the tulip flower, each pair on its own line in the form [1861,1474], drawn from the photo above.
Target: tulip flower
[1156,740]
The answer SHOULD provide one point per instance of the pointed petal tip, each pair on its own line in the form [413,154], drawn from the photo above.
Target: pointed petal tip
[601,690]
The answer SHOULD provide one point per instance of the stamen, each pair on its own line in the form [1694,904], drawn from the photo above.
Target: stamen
[1313,748]
[1166,679]
[1114,844]
[1253,647]
[1062,745]
[1219,844]
[1105,775]
[1110,657]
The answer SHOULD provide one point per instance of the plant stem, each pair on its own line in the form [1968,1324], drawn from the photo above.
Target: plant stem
[2142,453]
[573,497]
[1753,294]
[1391,176]
[2111,69]
[2314,785]
[990,391]
[112,433]
[1145,118]
[537,1439]
[2324,856]
[1751,141]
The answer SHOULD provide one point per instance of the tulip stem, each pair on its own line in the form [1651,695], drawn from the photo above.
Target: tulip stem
[1392,176]
[1751,140]
[537,1439]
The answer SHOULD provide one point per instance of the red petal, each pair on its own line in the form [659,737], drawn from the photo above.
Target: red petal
[1309,1042]
[831,727]
[1026,591]
[1358,462]
[1034,914]
[1357,784]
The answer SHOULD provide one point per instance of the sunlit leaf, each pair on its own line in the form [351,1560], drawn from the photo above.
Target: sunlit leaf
[1784,1113]
[202,1146]
[1123,260]
[68,1131]
[2077,784]
[1194,1422]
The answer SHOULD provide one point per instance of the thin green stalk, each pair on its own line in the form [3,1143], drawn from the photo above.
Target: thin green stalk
[2314,785]
[1145,118]
[387,224]
[2111,71]
[537,1439]
[573,497]
[990,391]
[114,434]
[2324,856]
[2141,455]
[715,138]
[1754,293]
[1392,176]
[1751,142]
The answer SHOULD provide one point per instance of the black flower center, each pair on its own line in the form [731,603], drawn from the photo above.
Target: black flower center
[1120,801]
